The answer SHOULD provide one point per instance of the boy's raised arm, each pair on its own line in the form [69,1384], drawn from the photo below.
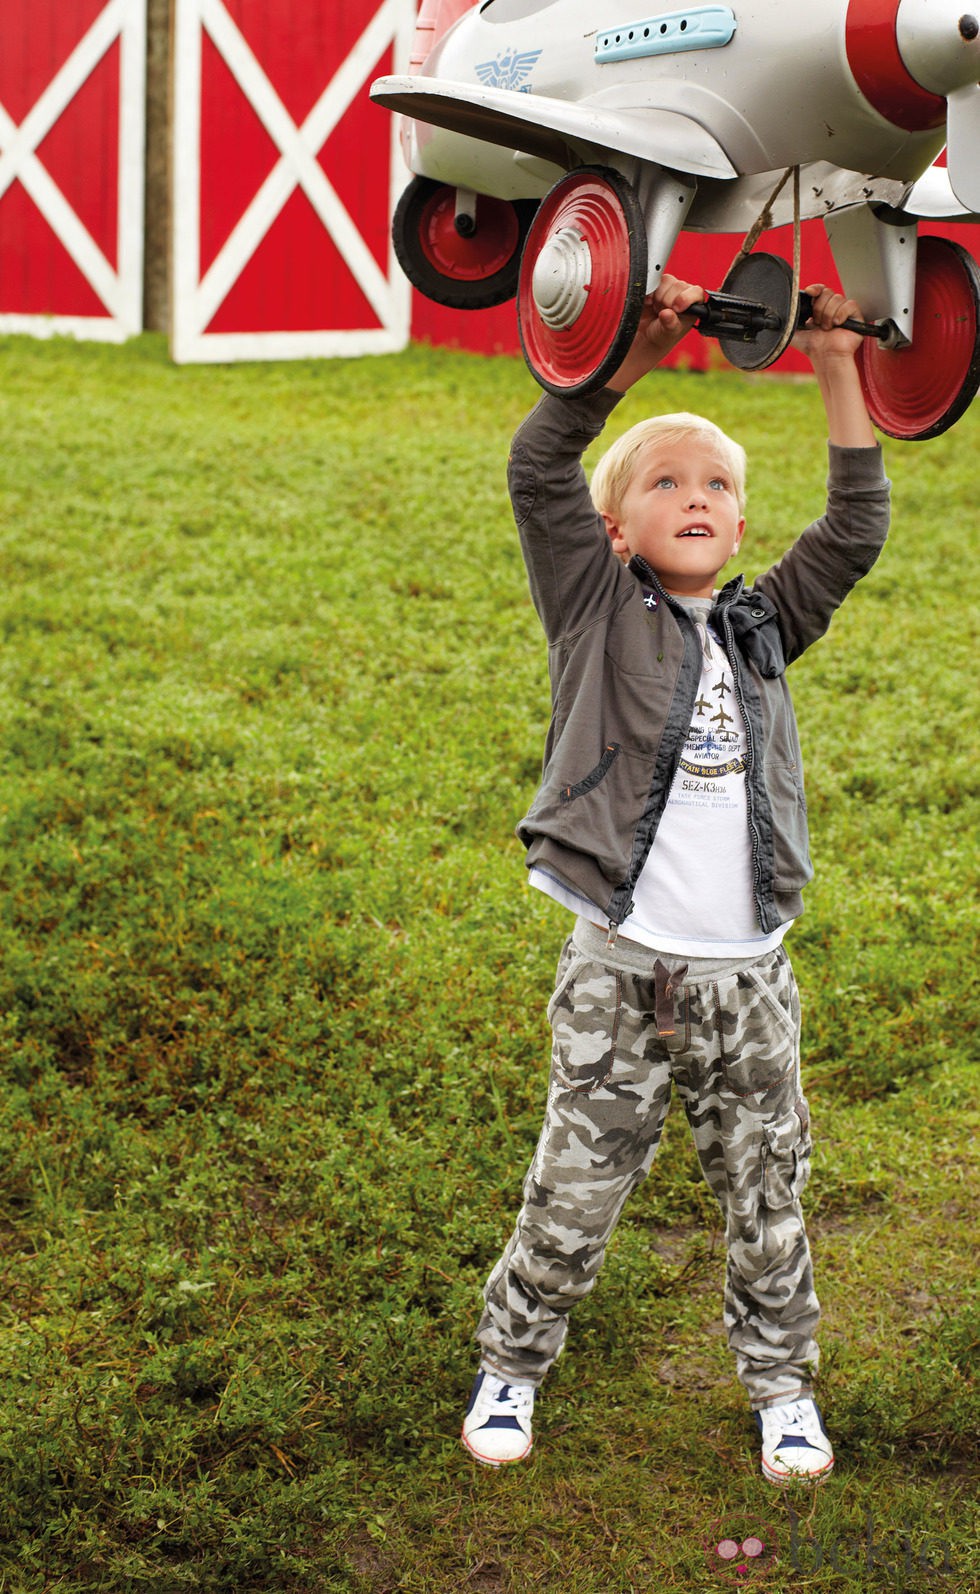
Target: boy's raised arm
[565,546]
[831,351]
[660,330]
[849,535]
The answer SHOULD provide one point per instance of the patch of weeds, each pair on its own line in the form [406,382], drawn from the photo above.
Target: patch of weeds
[272,999]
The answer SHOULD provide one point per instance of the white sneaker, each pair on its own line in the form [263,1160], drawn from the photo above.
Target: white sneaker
[497,1425]
[794,1442]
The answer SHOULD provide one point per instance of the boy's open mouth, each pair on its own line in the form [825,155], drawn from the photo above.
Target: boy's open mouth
[695,531]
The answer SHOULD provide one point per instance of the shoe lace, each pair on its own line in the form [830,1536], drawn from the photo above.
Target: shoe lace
[514,1400]
[793,1418]
[797,1420]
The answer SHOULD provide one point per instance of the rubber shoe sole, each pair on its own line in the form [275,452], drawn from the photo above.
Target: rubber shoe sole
[495,1461]
[796,1474]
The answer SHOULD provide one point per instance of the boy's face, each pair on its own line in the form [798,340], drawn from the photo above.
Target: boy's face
[680,514]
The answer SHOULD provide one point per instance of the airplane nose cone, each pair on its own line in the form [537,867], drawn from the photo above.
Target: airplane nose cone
[561,277]
[939,43]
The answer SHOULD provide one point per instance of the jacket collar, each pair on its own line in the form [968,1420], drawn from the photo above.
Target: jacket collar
[647,576]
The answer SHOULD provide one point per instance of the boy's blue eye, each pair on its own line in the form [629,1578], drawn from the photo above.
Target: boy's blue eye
[665,481]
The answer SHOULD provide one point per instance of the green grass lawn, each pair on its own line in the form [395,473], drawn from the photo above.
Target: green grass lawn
[272,998]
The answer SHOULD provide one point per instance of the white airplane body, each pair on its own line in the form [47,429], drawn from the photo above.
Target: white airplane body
[701,109]
[781,91]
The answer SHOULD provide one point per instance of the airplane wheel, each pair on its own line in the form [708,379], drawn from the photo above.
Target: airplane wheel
[468,271]
[919,391]
[582,281]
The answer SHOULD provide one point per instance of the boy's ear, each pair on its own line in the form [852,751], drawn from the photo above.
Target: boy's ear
[739,536]
[619,545]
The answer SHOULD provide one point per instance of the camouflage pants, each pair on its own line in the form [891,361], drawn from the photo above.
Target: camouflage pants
[733,1057]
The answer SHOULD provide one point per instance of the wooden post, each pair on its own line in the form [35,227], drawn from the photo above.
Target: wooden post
[156,259]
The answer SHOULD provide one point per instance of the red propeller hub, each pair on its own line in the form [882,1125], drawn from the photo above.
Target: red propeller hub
[880,71]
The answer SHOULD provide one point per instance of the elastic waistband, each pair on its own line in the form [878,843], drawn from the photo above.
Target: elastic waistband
[633,958]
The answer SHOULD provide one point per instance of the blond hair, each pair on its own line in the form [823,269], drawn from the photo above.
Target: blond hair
[614,471]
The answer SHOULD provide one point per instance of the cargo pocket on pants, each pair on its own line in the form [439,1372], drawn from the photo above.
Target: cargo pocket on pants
[786,1150]
[585,1014]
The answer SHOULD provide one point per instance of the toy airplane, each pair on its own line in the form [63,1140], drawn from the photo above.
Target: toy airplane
[560,147]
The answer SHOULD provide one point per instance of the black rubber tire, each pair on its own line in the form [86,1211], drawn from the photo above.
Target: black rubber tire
[458,292]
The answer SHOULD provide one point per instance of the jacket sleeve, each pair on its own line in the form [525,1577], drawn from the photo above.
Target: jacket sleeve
[814,576]
[573,573]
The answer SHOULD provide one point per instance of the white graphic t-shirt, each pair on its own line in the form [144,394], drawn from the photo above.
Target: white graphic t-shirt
[695,894]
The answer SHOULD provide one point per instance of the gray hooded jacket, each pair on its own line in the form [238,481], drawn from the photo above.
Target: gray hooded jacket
[624,662]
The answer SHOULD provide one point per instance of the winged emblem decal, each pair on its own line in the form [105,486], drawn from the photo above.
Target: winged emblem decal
[508,70]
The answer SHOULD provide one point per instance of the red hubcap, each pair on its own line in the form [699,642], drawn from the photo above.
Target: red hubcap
[918,391]
[492,245]
[577,278]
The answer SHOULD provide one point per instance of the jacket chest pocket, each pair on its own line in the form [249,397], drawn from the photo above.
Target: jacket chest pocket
[756,630]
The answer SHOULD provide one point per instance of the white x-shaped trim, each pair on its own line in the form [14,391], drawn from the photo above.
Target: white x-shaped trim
[117,289]
[297,165]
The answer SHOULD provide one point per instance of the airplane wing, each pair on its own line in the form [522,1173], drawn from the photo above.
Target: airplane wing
[539,125]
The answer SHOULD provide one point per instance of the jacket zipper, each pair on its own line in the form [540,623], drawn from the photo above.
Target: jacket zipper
[650,580]
[732,653]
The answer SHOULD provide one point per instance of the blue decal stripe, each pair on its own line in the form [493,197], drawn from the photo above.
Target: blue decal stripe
[699,28]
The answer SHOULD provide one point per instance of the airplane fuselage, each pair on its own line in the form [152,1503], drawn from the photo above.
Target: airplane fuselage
[828,87]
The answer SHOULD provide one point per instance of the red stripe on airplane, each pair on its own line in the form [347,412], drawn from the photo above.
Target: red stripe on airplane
[880,72]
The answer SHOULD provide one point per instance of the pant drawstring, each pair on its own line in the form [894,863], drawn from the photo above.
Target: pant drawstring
[665,982]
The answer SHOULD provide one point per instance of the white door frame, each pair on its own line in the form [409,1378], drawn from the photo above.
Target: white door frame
[119,288]
[195,298]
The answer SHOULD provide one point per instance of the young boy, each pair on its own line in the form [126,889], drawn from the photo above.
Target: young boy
[671,821]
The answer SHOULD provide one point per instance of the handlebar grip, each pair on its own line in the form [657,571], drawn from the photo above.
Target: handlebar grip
[867,329]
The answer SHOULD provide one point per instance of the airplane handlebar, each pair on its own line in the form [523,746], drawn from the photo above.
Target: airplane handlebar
[867,329]
[722,315]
